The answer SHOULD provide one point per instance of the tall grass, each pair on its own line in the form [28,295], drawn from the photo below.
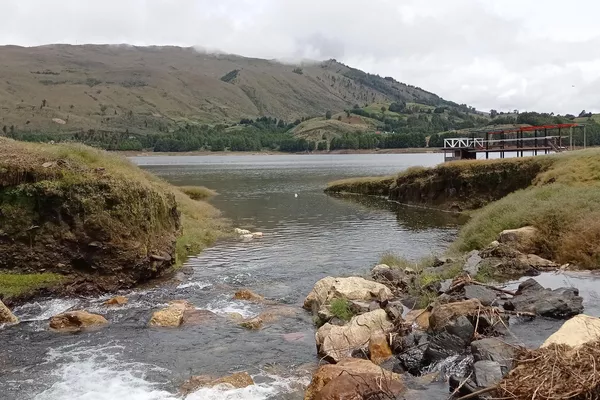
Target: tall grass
[198,192]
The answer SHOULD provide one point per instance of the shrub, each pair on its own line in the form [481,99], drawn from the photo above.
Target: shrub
[341,309]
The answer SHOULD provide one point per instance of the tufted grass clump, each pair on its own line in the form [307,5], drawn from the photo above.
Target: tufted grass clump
[341,309]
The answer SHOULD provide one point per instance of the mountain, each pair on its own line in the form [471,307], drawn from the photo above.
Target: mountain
[66,88]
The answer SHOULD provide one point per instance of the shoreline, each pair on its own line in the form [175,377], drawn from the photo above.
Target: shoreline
[413,150]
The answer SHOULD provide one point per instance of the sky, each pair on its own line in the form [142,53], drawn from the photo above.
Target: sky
[541,55]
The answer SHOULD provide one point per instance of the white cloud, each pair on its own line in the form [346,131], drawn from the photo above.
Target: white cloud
[491,54]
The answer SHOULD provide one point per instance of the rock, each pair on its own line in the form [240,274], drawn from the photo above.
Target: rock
[559,303]
[170,316]
[374,305]
[248,295]
[379,349]
[445,285]
[487,373]
[352,288]
[443,314]
[260,320]
[492,349]
[472,264]
[576,332]
[242,231]
[338,342]
[116,301]
[485,295]
[418,317]
[235,381]
[453,340]
[537,262]
[76,320]
[386,274]
[394,311]
[522,239]
[247,236]
[191,316]
[257,235]
[6,316]
[360,387]
[235,317]
[362,369]
[359,307]
[412,352]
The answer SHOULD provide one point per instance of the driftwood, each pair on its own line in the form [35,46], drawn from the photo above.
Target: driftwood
[467,280]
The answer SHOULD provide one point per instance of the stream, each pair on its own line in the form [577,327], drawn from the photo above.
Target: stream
[307,236]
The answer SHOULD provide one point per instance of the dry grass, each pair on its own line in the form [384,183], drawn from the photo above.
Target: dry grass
[555,372]
[198,192]
[379,186]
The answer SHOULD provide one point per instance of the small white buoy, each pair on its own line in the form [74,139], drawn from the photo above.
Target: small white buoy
[295,194]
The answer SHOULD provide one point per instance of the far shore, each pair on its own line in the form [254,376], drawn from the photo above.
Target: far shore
[415,150]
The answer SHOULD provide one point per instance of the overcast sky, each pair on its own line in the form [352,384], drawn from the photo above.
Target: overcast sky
[527,54]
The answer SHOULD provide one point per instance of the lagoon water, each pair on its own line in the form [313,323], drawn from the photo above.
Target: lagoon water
[306,237]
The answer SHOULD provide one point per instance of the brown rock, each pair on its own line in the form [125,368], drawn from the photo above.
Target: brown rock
[443,314]
[6,316]
[352,288]
[236,381]
[248,295]
[172,315]
[259,321]
[76,320]
[116,301]
[235,317]
[362,369]
[191,316]
[418,317]
[360,387]
[379,349]
[522,239]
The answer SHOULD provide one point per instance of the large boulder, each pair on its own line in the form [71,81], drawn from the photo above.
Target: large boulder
[338,342]
[493,349]
[523,239]
[576,332]
[352,288]
[6,316]
[444,314]
[351,387]
[235,381]
[170,316]
[362,370]
[75,321]
[485,295]
[558,303]
[452,340]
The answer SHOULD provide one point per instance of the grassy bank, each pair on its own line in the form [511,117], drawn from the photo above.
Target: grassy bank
[73,213]
[558,194]
[373,186]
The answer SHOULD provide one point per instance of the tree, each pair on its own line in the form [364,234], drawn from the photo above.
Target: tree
[339,118]
[43,103]
[398,106]
[322,146]
[493,114]
[328,115]
[383,109]
[348,113]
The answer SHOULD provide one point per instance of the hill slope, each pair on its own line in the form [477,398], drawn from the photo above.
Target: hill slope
[65,88]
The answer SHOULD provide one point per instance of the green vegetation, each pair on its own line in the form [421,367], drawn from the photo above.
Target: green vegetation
[341,308]
[14,285]
[198,192]
[379,186]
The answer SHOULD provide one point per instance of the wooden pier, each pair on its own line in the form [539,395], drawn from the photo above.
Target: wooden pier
[543,139]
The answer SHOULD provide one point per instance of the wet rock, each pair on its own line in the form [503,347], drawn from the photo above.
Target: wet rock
[248,295]
[418,317]
[6,316]
[235,381]
[379,349]
[235,317]
[576,332]
[485,295]
[472,264]
[351,367]
[242,231]
[191,316]
[259,321]
[492,349]
[352,288]
[559,303]
[444,314]
[338,342]
[522,239]
[487,373]
[170,316]
[412,352]
[116,301]
[453,340]
[257,235]
[76,320]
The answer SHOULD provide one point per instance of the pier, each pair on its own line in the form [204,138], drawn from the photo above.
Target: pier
[533,140]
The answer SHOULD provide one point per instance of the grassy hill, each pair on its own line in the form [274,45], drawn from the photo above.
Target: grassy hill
[64,88]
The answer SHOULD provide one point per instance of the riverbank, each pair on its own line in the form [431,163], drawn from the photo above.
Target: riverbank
[415,150]
[557,194]
[76,219]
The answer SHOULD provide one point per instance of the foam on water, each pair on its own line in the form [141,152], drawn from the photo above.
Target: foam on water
[99,373]
[43,310]
[199,285]
[224,306]
[454,365]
